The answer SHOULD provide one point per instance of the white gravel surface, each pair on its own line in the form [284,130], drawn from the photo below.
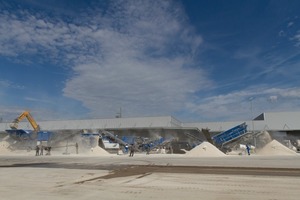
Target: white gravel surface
[42,183]
[27,182]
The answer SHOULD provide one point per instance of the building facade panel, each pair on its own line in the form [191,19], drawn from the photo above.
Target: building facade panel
[277,121]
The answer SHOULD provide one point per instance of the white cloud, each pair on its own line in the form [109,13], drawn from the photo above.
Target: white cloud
[273,98]
[237,105]
[39,100]
[290,24]
[138,55]
[6,84]
[296,38]
[281,33]
[138,70]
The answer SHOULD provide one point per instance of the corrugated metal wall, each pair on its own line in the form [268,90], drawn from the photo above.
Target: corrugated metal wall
[273,121]
[145,122]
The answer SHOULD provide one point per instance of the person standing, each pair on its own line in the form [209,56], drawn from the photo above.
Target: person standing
[248,149]
[148,149]
[37,150]
[131,151]
[42,150]
[49,151]
[76,145]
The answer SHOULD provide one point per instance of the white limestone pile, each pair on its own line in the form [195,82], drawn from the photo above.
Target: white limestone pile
[205,149]
[275,148]
[96,151]
[4,147]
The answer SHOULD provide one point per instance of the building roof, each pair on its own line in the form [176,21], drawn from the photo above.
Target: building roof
[265,121]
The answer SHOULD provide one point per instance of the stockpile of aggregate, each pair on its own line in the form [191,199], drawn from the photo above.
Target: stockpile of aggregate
[96,151]
[4,147]
[205,149]
[275,148]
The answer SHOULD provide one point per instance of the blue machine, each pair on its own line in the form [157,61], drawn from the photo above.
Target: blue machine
[156,142]
[44,136]
[87,135]
[20,134]
[128,139]
[230,135]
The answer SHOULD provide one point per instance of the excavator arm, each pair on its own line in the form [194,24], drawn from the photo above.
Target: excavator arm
[15,123]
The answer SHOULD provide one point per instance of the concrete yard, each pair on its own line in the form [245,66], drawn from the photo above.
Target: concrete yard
[149,177]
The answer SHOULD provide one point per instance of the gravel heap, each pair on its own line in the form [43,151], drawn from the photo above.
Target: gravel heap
[205,149]
[275,148]
[4,147]
[96,151]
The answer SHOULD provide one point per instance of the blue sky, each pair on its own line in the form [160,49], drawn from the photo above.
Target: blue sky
[194,60]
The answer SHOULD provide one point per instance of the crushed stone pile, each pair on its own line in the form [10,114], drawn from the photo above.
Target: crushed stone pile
[205,149]
[4,147]
[275,148]
[96,151]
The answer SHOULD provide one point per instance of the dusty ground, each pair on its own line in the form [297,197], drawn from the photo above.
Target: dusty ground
[149,177]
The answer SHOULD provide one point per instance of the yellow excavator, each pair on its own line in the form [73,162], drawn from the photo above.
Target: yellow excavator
[42,138]
[14,125]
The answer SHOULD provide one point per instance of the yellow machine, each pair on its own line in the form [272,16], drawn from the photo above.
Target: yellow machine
[15,123]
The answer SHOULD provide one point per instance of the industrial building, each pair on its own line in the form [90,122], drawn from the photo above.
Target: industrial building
[272,121]
[283,124]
